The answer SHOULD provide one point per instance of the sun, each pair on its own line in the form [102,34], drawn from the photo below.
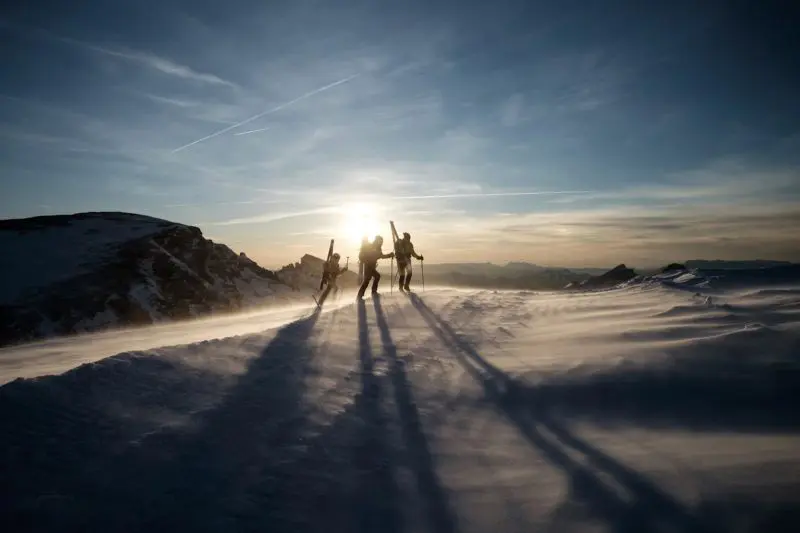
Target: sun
[359,220]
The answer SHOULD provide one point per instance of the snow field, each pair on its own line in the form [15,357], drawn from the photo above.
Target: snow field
[641,409]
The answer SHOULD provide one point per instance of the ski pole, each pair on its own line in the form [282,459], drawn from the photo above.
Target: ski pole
[391,276]
[422,267]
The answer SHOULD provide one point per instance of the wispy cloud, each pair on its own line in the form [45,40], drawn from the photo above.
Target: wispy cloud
[176,102]
[272,217]
[211,204]
[147,60]
[604,237]
[268,112]
[487,194]
[251,131]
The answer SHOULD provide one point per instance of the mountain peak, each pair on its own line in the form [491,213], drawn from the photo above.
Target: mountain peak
[71,273]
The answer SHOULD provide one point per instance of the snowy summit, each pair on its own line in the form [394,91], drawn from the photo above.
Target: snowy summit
[90,271]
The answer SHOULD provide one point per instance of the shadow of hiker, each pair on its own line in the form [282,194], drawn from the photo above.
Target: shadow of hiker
[729,384]
[214,477]
[378,491]
[201,476]
[434,499]
[650,508]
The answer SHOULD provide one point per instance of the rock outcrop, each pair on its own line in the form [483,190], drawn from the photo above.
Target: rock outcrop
[306,274]
[90,271]
[618,274]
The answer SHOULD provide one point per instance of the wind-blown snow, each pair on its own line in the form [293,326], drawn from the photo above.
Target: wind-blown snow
[643,408]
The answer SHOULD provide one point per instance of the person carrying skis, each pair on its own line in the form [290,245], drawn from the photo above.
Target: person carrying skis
[370,259]
[404,251]
[331,271]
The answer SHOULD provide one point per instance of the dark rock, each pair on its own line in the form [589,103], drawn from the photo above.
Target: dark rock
[618,274]
[127,270]
[672,267]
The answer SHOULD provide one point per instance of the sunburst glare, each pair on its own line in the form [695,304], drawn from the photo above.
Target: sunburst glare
[359,220]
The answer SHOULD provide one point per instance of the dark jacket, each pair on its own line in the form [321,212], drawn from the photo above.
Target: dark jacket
[404,251]
[370,255]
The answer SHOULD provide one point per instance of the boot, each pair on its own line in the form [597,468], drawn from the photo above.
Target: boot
[362,290]
[400,282]
[408,280]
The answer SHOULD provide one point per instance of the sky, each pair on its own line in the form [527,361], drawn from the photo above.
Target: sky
[569,133]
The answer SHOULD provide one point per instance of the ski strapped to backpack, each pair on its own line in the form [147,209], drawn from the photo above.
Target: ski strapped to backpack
[395,240]
[324,283]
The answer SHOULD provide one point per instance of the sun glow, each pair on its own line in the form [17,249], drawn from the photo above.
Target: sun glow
[358,221]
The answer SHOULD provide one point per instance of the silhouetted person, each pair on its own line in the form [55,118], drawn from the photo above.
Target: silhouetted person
[331,271]
[370,259]
[404,251]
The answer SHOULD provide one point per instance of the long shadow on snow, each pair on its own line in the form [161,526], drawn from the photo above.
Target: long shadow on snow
[339,477]
[70,466]
[651,507]
[746,380]
[532,412]
[214,479]
[436,507]
[378,498]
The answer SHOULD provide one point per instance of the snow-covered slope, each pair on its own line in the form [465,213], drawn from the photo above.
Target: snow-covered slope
[84,272]
[725,279]
[643,408]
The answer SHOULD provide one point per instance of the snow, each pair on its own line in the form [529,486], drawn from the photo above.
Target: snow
[106,317]
[38,257]
[643,408]
[142,295]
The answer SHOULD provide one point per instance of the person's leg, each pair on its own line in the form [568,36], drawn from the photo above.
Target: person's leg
[401,271]
[369,272]
[365,282]
[376,279]
[409,272]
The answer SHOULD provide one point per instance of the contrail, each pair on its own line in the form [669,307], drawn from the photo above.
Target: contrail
[273,110]
[483,194]
[251,131]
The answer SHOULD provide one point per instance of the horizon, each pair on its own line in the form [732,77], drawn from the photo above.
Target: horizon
[597,135]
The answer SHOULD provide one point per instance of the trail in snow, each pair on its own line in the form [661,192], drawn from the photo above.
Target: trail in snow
[641,409]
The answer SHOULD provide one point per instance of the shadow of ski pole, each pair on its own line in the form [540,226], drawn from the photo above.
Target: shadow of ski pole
[651,507]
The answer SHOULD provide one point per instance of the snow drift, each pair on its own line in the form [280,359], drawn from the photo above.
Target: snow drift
[644,407]
[89,271]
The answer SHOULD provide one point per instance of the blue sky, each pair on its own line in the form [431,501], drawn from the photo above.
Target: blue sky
[564,133]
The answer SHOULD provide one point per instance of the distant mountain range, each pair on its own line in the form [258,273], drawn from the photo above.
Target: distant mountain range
[517,275]
[529,276]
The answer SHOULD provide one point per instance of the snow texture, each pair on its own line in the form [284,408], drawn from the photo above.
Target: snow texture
[38,255]
[647,407]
